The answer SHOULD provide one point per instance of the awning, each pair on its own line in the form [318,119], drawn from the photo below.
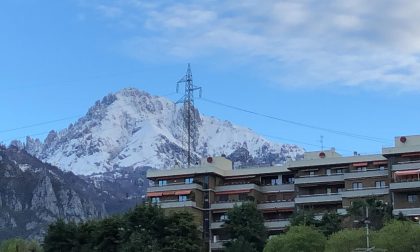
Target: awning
[183,192]
[168,193]
[380,162]
[360,164]
[404,173]
[154,194]
[414,154]
[232,192]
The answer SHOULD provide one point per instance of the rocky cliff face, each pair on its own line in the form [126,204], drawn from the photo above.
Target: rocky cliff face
[34,194]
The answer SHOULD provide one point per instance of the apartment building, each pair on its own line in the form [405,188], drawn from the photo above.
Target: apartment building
[404,160]
[327,182]
[209,190]
[323,181]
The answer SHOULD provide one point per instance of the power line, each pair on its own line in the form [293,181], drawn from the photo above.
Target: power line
[348,134]
[39,124]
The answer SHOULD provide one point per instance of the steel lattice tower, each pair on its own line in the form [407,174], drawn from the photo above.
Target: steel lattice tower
[189,113]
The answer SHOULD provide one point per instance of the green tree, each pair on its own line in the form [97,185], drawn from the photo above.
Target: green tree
[379,212]
[346,240]
[246,222]
[181,234]
[303,218]
[19,245]
[398,236]
[241,245]
[297,239]
[62,237]
[329,224]
[109,234]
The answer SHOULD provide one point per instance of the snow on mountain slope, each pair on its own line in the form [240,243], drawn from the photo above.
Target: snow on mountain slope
[132,129]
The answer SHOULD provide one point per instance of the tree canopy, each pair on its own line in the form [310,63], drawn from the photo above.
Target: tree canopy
[246,223]
[19,245]
[346,240]
[143,229]
[298,238]
[398,236]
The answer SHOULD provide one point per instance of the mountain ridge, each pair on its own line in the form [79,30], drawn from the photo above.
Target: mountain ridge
[133,129]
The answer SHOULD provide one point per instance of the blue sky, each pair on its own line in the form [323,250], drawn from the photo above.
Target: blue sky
[351,66]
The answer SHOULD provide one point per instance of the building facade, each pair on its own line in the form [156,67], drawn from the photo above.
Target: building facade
[323,181]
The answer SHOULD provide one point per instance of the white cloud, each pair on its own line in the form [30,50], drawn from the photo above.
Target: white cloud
[354,43]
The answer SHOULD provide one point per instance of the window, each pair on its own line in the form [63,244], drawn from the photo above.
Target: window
[412,198]
[243,196]
[357,185]
[328,190]
[381,168]
[155,200]
[162,182]
[328,172]
[274,181]
[291,180]
[340,189]
[312,173]
[361,169]
[182,198]
[188,180]
[380,184]
[339,171]
[223,217]
[223,198]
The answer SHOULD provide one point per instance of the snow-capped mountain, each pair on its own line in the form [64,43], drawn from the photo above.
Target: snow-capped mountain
[133,129]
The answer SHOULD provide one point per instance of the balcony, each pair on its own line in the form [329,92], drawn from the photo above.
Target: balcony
[318,198]
[405,185]
[249,186]
[276,205]
[225,205]
[319,179]
[277,188]
[217,245]
[366,174]
[406,166]
[276,224]
[407,211]
[217,224]
[174,187]
[175,204]
[365,192]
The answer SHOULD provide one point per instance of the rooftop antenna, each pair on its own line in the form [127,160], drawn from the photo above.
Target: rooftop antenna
[322,142]
[190,123]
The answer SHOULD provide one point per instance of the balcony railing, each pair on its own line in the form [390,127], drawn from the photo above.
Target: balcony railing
[253,186]
[174,187]
[270,224]
[277,188]
[175,204]
[226,204]
[318,198]
[218,244]
[405,184]
[365,192]
[276,204]
[406,166]
[276,224]
[319,179]
[366,174]
[406,211]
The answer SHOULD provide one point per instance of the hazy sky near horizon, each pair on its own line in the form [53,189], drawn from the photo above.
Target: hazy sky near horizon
[351,66]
